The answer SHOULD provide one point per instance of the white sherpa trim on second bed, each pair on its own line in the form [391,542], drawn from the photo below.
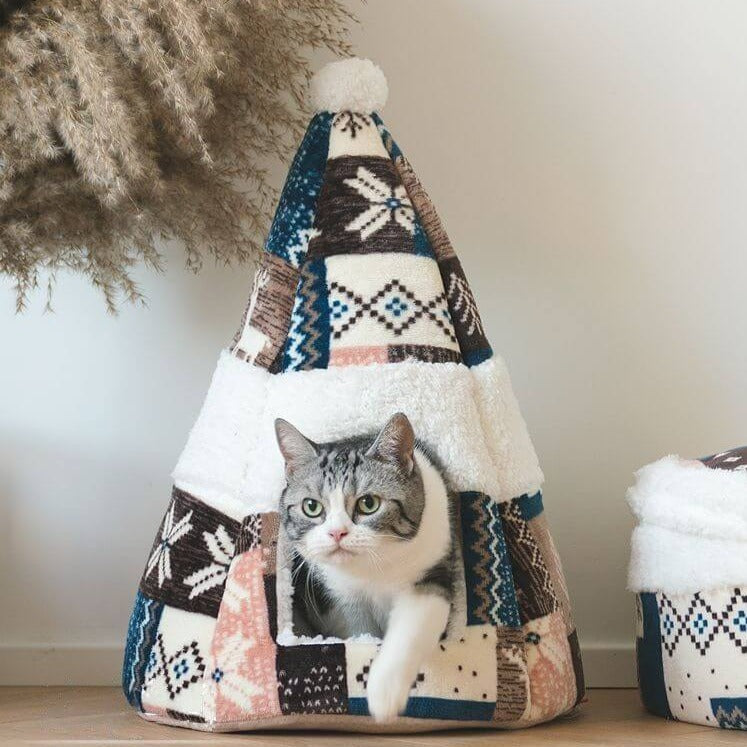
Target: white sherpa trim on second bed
[468,416]
[686,496]
[673,563]
[692,532]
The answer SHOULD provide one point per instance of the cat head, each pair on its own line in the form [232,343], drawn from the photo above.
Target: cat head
[351,504]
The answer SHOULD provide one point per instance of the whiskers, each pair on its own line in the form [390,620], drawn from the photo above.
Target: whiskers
[309,586]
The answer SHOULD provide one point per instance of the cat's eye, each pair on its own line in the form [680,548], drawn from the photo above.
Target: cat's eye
[368,504]
[311,507]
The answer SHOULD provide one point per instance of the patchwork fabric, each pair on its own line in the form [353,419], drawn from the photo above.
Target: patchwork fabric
[312,678]
[552,681]
[355,134]
[578,670]
[264,327]
[269,541]
[730,713]
[386,137]
[359,271]
[702,619]
[292,226]
[512,698]
[307,345]
[177,662]
[460,681]
[432,225]
[425,353]
[358,658]
[364,208]
[530,506]
[250,533]
[700,639]
[541,533]
[189,561]
[463,309]
[241,683]
[649,656]
[534,588]
[409,307]
[487,566]
[366,355]
[362,355]
[474,345]
[188,717]
[141,635]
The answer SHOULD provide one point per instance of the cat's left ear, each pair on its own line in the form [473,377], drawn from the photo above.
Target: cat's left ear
[395,443]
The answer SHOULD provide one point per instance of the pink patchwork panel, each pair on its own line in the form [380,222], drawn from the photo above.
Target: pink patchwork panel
[552,682]
[359,356]
[240,682]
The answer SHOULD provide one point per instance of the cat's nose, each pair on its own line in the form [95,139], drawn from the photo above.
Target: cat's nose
[338,534]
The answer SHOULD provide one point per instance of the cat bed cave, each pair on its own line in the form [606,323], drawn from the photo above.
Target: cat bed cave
[689,570]
[359,309]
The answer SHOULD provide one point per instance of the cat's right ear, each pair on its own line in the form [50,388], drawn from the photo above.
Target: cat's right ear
[294,446]
[395,443]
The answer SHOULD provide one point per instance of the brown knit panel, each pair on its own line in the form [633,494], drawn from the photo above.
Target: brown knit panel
[513,682]
[535,592]
[425,210]
[341,204]
[269,309]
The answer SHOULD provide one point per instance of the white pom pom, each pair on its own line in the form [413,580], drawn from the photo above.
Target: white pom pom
[349,85]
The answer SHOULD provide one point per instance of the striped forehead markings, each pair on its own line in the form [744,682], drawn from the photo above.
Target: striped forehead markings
[339,466]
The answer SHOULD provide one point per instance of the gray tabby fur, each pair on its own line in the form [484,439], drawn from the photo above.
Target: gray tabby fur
[371,464]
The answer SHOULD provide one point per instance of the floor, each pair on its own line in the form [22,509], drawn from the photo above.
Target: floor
[100,716]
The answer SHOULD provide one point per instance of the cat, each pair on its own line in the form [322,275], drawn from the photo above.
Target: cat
[369,521]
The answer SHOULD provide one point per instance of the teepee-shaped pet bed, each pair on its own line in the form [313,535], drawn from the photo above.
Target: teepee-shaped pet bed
[359,310]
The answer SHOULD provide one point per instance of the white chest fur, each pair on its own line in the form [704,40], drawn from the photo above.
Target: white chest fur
[407,561]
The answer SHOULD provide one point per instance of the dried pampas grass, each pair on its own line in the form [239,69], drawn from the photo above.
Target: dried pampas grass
[125,121]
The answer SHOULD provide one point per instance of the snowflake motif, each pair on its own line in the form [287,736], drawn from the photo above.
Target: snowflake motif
[226,677]
[385,204]
[464,304]
[297,251]
[351,122]
[171,533]
[222,549]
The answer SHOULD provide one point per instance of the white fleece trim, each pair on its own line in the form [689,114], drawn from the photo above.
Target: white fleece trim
[505,431]
[212,464]
[353,84]
[287,637]
[665,561]
[692,532]
[468,416]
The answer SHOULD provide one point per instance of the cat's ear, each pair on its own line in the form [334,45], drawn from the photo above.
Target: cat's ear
[294,446]
[395,443]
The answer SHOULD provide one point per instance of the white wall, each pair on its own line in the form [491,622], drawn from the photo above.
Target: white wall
[590,161]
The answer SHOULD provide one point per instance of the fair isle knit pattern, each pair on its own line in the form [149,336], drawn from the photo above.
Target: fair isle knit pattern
[689,569]
[141,636]
[292,226]
[359,309]
[491,596]
[307,345]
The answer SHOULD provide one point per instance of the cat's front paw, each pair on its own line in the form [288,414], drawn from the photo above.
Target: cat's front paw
[387,692]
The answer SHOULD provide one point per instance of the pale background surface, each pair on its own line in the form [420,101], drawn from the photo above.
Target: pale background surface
[590,162]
